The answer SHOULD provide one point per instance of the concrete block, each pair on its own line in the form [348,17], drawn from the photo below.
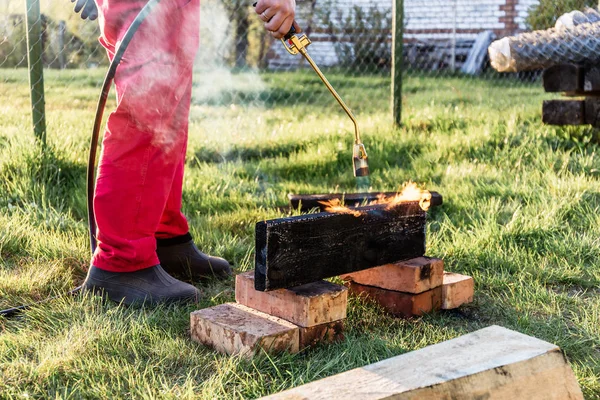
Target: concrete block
[235,329]
[308,305]
[457,289]
[412,276]
[400,303]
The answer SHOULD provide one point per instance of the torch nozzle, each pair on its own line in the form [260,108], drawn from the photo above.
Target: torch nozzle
[359,160]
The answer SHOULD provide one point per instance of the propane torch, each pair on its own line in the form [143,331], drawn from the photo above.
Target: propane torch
[295,44]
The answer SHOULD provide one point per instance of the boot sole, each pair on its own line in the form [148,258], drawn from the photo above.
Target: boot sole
[123,296]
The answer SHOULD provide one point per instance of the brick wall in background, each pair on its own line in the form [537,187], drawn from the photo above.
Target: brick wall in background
[425,20]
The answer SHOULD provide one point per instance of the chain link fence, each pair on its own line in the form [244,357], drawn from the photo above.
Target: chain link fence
[237,63]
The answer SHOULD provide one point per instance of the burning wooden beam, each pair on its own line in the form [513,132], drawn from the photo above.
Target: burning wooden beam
[297,250]
[307,202]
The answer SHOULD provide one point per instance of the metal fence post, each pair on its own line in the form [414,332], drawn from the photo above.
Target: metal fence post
[454,21]
[397,54]
[36,71]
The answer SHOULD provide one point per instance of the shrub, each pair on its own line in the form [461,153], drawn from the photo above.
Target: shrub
[361,37]
[545,14]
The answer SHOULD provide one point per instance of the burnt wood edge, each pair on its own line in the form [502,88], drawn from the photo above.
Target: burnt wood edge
[307,202]
[260,257]
[411,208]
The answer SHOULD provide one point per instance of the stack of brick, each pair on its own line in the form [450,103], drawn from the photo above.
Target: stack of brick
[278,320]
[413,287]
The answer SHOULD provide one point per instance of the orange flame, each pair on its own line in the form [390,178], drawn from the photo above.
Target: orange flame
[335,206]
[410,192]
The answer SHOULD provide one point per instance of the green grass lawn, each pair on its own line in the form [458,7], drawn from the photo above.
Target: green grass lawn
[521,215]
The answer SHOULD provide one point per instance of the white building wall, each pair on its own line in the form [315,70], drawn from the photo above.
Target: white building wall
[443,15]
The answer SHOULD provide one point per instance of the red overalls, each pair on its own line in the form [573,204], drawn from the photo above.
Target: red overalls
[140,174]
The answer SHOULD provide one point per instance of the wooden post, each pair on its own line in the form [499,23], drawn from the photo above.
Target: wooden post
[62,60]
[453,52]
[36,72]
[397,52]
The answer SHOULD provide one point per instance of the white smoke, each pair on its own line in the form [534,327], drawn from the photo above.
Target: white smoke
[214,82]
[215,35]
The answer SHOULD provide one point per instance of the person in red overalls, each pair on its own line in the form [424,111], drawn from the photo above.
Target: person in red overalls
[143,238]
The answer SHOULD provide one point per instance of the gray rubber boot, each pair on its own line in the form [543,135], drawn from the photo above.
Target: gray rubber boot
[180,257]
[149,286]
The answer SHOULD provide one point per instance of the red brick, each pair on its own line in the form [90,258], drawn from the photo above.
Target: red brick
[412,276]
[457,290]
[324,333]
[235,329]
[400,303]
[307,305]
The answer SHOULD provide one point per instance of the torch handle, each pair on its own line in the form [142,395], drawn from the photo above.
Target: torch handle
[292,31]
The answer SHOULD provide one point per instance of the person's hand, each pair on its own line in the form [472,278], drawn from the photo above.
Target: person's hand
[278,16]
[87,7]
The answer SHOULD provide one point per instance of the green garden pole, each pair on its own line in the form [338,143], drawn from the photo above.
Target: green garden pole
[397,51]
[36,71]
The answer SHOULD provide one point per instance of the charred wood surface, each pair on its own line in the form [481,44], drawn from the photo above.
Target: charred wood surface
[572,112]
[563,78]
[563,112]
[574,80]
[307,202]
[592,111]
[297,250]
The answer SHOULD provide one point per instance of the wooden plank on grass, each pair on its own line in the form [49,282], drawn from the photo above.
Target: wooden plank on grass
[297,250]
[492,363]
[563,112]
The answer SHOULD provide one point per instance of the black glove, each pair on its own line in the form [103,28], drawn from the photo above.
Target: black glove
[87,7]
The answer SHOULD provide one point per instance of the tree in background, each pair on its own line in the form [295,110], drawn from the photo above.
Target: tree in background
[238,11]
[75,46]
[361,36]
[545,14]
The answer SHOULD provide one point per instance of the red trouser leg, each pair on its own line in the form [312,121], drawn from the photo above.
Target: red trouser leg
[141,167]
[173,222]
